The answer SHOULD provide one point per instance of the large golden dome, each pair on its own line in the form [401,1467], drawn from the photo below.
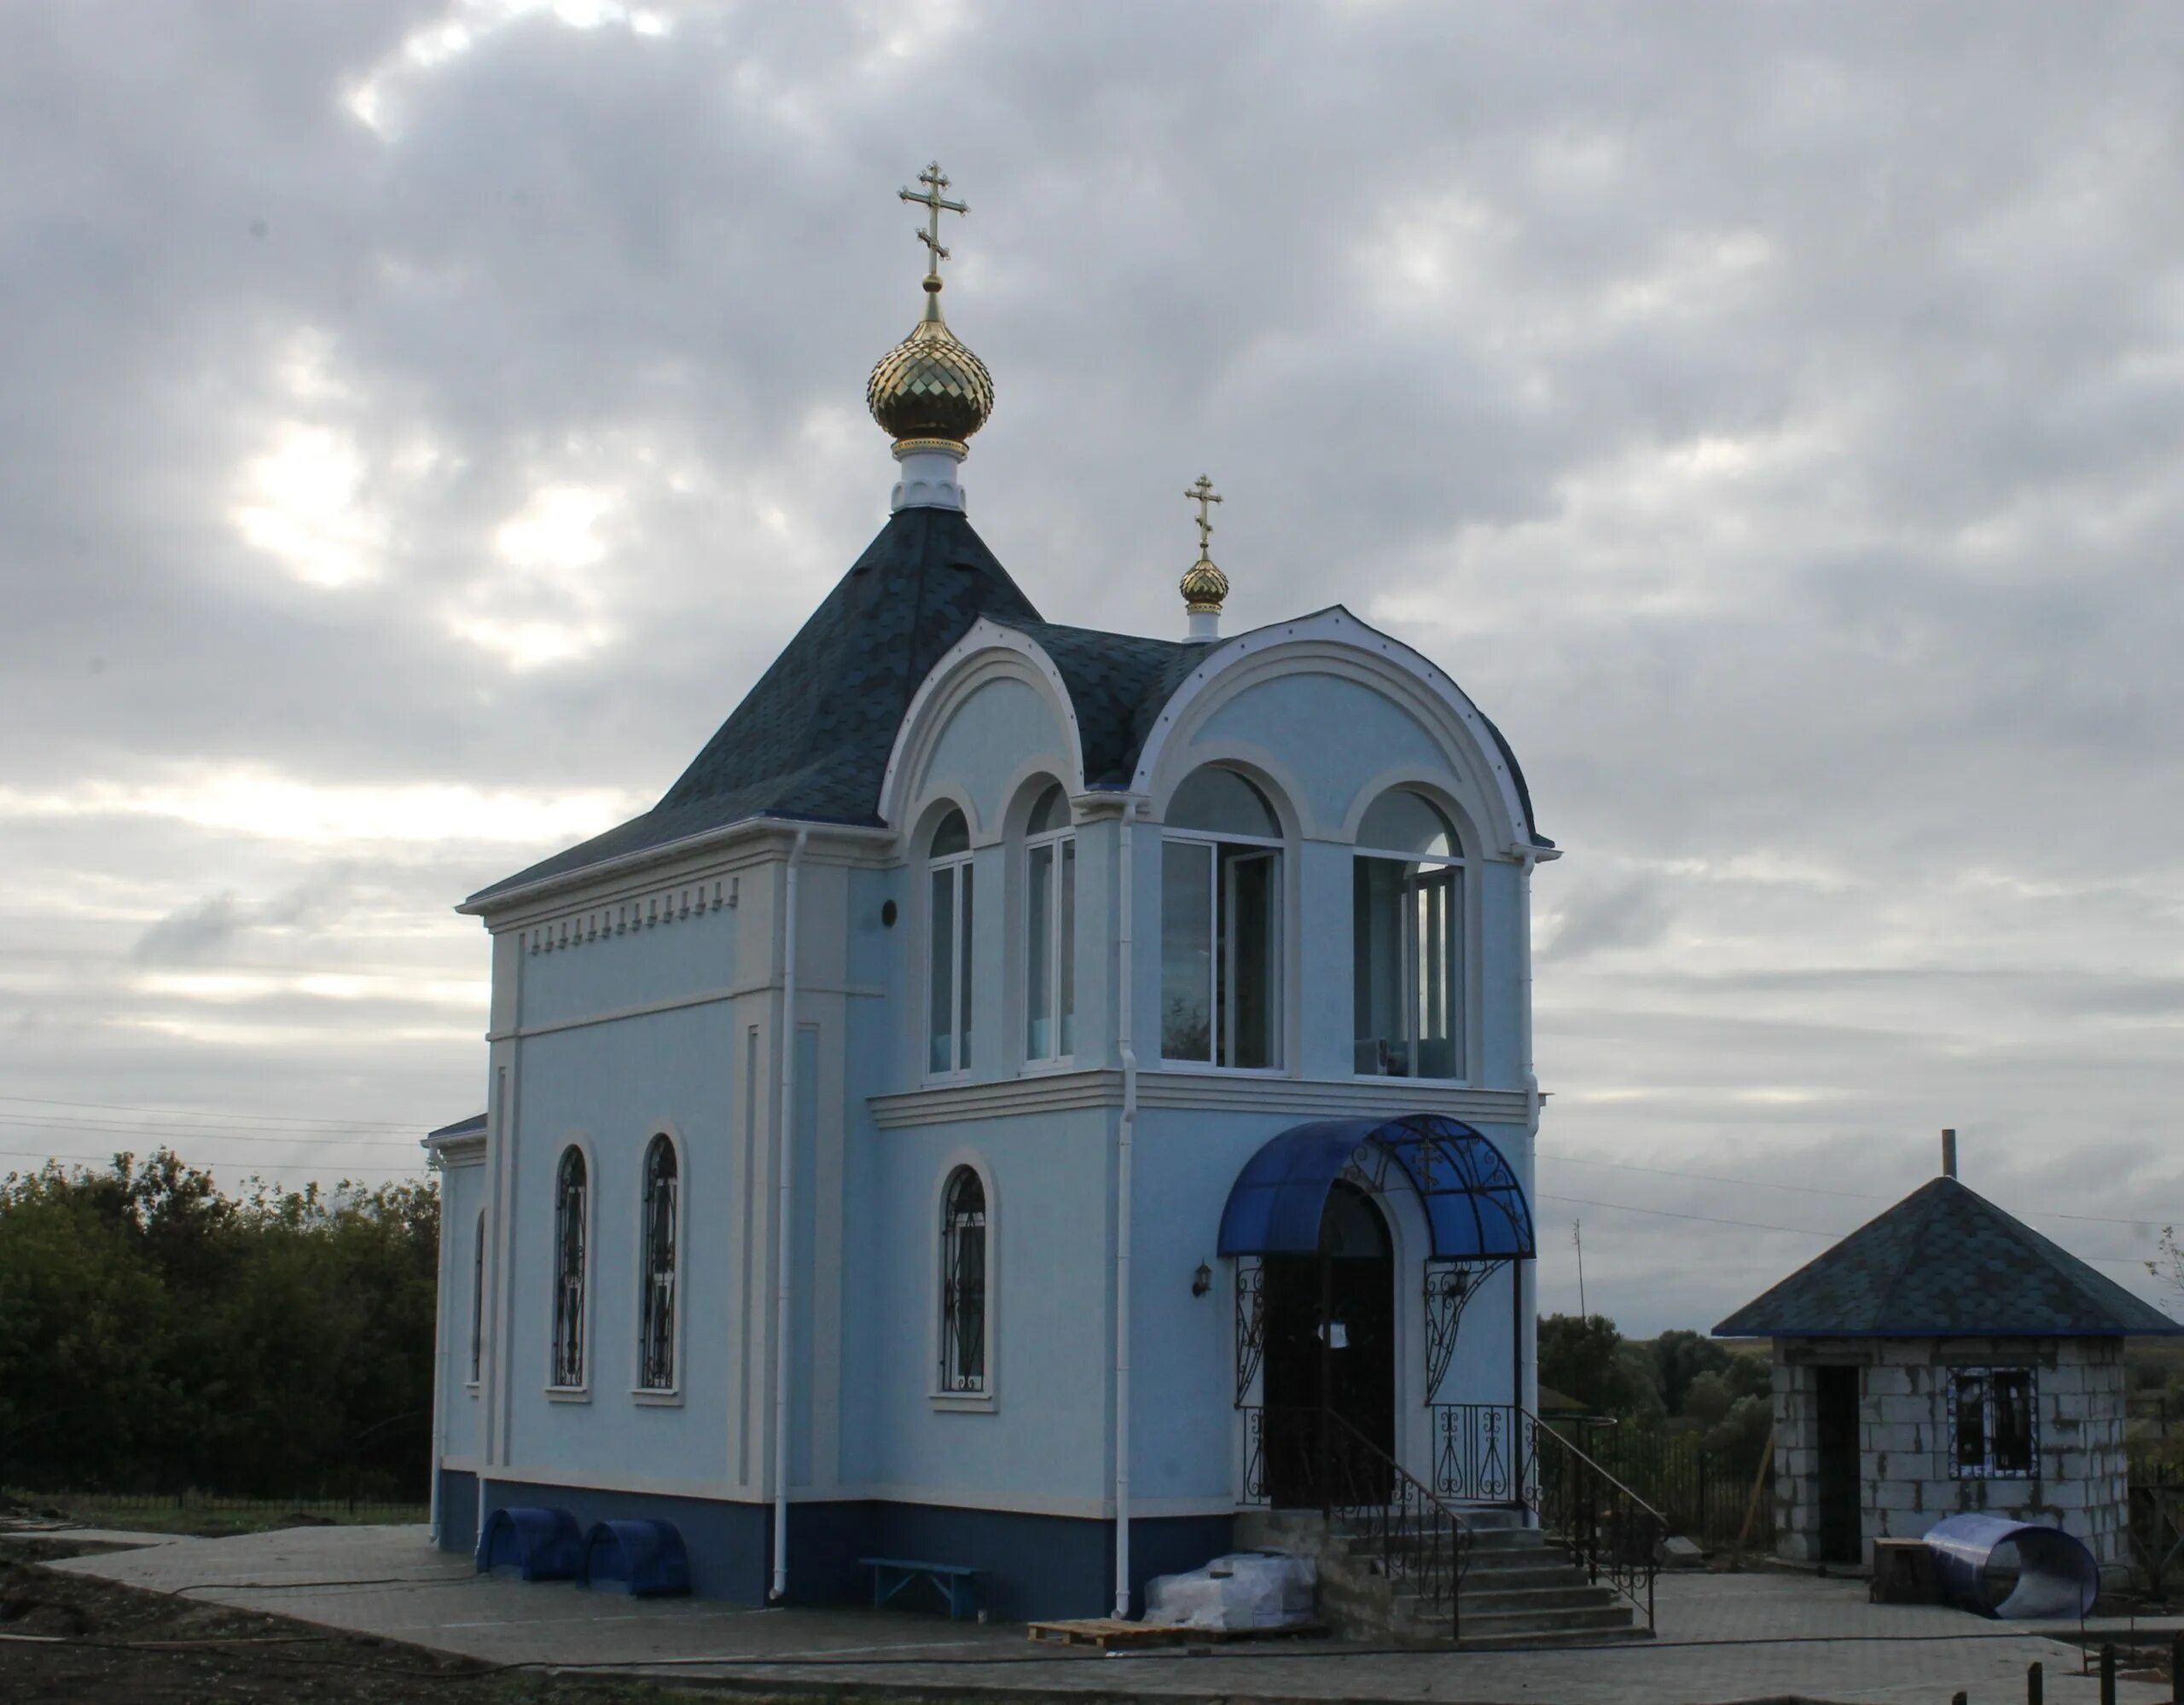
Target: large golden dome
[929,388]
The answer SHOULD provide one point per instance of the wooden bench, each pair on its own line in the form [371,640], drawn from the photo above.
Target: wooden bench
[954,1583]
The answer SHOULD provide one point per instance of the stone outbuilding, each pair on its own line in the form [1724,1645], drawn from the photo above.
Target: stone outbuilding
[1946,1357]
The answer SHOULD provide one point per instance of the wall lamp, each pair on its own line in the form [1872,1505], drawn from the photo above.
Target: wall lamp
[1202,1280]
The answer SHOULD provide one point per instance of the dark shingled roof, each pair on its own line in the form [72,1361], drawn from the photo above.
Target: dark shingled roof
[810,740]
[809,743]
[1946,1262]
[1117,684]
[473,1126]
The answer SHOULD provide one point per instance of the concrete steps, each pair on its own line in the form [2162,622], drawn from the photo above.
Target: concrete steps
[1518,1589]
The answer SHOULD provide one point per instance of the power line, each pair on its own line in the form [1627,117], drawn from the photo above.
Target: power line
[1793,1231]
[201,1132]
[99,1160]
[1823,1190]
[200,1113]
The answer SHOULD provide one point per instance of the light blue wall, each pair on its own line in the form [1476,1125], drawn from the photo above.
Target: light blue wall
[462,1196]
[866,1214]
[612,1086]
[638,963]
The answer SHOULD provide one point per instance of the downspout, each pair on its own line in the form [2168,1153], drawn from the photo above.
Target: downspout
[784,1254]
[1125,1132]
[439,1357]
[1525,1282]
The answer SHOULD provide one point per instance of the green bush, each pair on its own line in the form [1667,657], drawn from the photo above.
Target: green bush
[157,1334]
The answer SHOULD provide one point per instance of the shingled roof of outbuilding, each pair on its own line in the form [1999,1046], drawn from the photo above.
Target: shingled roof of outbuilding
[1946,1262]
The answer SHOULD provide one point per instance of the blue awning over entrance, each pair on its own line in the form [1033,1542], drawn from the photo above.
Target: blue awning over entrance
[1474,1206]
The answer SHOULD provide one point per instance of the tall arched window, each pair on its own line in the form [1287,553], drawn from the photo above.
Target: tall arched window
[1049,931]
[656,1308]
[948,1000]
[571,1231]
[1221,925]
[963,1282]
[478,1299]
[1408,940]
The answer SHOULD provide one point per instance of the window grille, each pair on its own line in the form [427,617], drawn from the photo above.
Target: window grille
[1994,1432]
[964,1283]
[477,1301]
[656,1334]
[569,1190]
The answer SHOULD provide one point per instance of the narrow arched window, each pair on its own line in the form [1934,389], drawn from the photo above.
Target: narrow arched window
[478,1299]
[963,1294]
[1407,942]
[656,1326]
[1221,925]
[1049,931]
[571,1231]
[947,1002]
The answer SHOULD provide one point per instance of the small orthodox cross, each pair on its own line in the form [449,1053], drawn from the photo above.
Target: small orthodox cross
[934,202]
[1203,494]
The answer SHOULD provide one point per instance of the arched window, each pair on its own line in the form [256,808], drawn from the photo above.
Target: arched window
[948,998]
[656,1307]
[1408,940]
[478,1299]
[1049,931]
[1221,925]
[571,1228]
[963,1282]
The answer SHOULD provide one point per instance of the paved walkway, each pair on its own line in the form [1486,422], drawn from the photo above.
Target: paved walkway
[1723,1638]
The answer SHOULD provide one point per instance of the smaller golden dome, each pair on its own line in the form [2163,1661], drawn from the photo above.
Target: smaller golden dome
[1205,588]
[929,387]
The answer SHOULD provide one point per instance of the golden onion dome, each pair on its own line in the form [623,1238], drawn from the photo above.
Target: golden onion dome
[1205,588]
[929,388]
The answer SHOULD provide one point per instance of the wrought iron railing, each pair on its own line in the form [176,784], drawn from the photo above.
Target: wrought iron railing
[1314,1458]
[1503,1453]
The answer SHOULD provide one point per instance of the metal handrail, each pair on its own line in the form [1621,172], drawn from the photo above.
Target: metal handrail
[1608,1530]
[1418,1541]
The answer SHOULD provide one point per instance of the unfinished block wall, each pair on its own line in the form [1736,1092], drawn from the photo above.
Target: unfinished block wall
[1905,1484]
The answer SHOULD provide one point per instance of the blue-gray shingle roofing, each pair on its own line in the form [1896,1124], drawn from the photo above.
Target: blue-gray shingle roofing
[1946,1262]
[810,741]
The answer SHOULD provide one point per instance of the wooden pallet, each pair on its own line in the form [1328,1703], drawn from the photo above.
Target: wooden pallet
[1105,1634]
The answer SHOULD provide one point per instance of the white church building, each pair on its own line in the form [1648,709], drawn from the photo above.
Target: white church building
[1014,1083]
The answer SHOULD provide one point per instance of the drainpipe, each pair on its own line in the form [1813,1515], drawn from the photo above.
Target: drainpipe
[1525,1274]
[1125,1132]
[784,1253]
[439,1357]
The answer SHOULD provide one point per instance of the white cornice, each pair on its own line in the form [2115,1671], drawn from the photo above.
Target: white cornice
[1199,1091]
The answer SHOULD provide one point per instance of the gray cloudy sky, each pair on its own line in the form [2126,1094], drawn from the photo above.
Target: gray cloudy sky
[419,422]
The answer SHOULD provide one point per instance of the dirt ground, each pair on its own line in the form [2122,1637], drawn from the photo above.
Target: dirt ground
[74,1640]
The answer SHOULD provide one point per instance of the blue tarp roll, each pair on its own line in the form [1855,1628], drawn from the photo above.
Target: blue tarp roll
[2056,1576]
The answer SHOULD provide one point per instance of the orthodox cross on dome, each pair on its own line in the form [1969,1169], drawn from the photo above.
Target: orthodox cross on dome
[935,204]
[1203,494]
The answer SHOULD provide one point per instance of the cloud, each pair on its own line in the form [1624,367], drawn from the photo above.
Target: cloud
[423,421]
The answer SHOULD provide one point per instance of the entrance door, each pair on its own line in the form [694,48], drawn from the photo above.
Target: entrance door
[1330,1326]
[1841,1529]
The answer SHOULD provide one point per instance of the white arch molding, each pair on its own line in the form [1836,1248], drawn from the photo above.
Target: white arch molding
[988,652]
[1334,642]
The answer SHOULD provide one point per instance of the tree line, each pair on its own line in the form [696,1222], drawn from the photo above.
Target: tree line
[158,1335]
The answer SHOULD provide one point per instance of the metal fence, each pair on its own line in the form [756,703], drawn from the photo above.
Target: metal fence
[1707,1495]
